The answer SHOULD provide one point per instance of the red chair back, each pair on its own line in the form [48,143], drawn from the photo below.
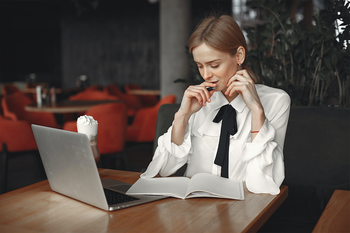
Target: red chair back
[94,88]
[17,135]
[93,95]
[143,127]
[9,88]
[131,86]
[132,102]
[14,108]
[113,89]
[146,100]
[112,122]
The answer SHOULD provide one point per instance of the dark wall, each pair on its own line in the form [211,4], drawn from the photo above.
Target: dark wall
[204,8]
[118,42]
[30,40]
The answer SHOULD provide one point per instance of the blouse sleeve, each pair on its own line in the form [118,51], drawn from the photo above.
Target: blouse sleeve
[265,168]
[169,157]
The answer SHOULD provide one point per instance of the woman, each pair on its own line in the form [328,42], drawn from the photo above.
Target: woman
[255,147]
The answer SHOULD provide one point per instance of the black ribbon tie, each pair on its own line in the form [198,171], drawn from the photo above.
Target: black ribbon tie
[228,127]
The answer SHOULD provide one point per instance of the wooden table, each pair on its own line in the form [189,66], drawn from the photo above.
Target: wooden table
[336,215]
[32,90]
[144,92]
[36,208]
[67,106]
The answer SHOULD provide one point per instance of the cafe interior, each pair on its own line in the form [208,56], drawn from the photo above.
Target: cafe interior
[120,61]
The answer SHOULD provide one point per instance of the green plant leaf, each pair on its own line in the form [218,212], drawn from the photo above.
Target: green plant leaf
[327,61]
[298,50]
[334,58]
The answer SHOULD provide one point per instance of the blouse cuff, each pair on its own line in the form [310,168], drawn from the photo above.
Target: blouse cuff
[253,149]
[166,152]
[259,182]
[175,150]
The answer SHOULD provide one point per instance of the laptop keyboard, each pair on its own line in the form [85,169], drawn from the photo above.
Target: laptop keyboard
[116,197]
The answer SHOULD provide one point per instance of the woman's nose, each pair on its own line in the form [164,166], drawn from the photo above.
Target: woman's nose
[206,73]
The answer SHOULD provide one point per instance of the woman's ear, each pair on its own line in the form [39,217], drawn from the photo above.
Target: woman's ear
[240,55]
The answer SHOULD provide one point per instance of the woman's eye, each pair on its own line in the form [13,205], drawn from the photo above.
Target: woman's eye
[215,66]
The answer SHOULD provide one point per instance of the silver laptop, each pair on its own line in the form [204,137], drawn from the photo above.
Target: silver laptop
[71,170]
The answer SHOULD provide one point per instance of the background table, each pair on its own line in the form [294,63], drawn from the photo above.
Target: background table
[37,208]
[144,92]
[69,106]
[336,215]
[57,90]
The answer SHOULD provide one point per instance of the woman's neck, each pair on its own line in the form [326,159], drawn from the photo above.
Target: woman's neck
[230,98]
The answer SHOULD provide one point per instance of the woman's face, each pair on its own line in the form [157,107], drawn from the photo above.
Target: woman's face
[215,66]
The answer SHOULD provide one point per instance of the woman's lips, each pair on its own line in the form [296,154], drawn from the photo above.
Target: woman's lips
[212,88]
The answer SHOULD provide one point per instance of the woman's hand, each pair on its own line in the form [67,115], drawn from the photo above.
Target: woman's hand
[195,97]
[243,84]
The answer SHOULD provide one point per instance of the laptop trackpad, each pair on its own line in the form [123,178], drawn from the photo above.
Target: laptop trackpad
[115,185]
[121,188]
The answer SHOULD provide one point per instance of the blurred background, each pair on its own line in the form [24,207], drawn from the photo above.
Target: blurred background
[108,41]
[108,49]
[120,41]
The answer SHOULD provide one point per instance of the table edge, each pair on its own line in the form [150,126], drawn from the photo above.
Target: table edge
[261,219]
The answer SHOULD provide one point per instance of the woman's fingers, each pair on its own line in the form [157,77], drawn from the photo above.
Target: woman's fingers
[241,76]
[237,86]
[198,92]
[195,97]
[203,91]
[241,80]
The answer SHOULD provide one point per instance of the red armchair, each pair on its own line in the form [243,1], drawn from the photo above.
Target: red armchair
[143,127]
[90,93]
[146,100]
[112,122]
[9,88]
[132,102]
[15,137]
[93,94]
[13,107]
[94,87]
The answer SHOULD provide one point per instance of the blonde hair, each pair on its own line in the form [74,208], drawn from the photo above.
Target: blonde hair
[223,34]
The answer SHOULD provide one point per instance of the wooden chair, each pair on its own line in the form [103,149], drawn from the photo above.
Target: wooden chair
[112,123]
[143,127]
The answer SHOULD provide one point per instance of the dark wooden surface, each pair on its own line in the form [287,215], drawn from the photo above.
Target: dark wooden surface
[67,106]
[336,216]
[37,208]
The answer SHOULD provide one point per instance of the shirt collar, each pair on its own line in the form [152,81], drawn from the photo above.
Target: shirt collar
[206,125]
[218,100]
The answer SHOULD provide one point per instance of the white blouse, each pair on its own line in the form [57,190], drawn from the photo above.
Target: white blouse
[258,163]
